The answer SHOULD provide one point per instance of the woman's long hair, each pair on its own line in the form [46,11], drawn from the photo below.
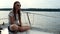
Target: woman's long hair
[14,11]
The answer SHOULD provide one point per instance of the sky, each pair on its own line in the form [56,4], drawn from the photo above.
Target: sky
[31,3]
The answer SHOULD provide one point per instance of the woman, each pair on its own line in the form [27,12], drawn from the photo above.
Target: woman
[15,19]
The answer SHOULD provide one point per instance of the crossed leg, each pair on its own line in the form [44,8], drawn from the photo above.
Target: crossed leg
[23,28]
[16,28]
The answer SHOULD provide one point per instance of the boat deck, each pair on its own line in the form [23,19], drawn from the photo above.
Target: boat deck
[5,31]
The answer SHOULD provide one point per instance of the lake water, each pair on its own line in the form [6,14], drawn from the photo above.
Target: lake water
[46,21]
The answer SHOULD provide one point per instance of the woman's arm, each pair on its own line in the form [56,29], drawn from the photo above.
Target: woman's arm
[11,20]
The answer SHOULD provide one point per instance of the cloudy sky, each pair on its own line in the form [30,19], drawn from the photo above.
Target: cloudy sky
[31,3]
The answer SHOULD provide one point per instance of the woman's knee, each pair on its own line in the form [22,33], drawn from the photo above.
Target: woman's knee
[13,27]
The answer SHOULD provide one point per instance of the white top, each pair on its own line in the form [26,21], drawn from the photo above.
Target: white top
[11,14]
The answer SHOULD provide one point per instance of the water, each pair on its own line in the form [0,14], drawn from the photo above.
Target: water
[43,21]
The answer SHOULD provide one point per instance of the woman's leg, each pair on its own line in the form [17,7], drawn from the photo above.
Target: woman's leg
[23,28]
[14,28]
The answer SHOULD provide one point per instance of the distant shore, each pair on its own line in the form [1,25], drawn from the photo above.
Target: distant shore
[33,9]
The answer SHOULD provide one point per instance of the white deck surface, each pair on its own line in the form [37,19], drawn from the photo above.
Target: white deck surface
[5,31]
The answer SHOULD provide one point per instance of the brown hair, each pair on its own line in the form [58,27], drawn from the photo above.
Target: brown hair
[14,11]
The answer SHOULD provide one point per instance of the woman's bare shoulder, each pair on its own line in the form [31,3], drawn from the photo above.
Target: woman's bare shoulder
[11,13]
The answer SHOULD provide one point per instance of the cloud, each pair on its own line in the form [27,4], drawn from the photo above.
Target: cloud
[31,3]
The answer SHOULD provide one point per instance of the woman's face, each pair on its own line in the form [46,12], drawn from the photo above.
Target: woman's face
[17,6]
